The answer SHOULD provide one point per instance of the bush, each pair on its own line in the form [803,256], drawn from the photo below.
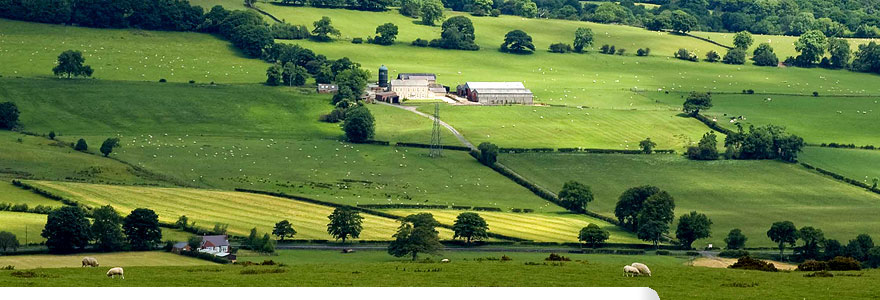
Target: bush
[163,80]
[748,263]
[842,263]
[812,265]
[662,252]
[506,258]
[733,253]
[560,48]
[815,94]
[420,43]
[684,54]
[621,51]
[819,274]
[692,253]
[357,40]
[557,257]
[192,81]
[643,52]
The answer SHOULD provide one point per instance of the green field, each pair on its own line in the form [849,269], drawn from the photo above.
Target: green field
[783,45]
[15,195]
[543,227]
[568,127]
[26,226]
[853,163]
[105,260]
[306,257]
[241,211]
[671,278]
[816,119]
[31,50]
[749,195]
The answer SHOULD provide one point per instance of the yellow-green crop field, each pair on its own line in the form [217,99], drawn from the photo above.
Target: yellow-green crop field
[109,260]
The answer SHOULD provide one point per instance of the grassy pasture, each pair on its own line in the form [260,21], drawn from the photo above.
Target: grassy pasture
[105,260]
[41,158]
[783,45]
[558,127]
[31,50]
[558,78]
[241,211]
[544,227]
[305,257]
[816,119]
[26,226]
[671,279]
[749,195]
[15,195]
[853,163]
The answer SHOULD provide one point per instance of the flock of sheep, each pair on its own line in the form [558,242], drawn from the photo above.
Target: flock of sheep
[636,269]
[112,273]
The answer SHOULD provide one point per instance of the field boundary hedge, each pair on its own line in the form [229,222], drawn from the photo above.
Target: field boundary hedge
[845,146]
[360,209]
[712,124]
[842,178]
[540,191]
[426,146]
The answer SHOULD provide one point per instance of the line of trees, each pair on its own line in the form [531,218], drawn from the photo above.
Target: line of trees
[68,230]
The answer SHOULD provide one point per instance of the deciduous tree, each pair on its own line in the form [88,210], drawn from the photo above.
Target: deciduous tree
[66,230]
[782,233]
[692,227]
[593,235]
[141,229]
[575,196]
[345,223]
[470,226]
[107,229]
[70,64]
[283,230]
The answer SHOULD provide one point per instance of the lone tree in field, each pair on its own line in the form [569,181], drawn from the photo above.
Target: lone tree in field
[70,64]
[811,46]
[517,41]
[654,218]
[431,11]
[358,126]
[488,153]
[735,239]
[812,238]
[593,235]
[692,227]
[81,145]
[470,226]
[583,37]
[8,115]
[142,230]
[274,74]
[345,223]
[630,203]
[283,230]
[712,56]
[764,56]
[696,102]
[324,29]
[386,34]
[183,223]
[575,196]
[782,233]
[107,229]
[67,230]
[647,145]
[8,241]
[416,235]
[743,40]
[108,146]
[457,33]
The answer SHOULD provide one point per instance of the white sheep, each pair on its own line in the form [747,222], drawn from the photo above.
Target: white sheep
[630,271]
[89,262]
[643,269]
[116,271]
[445,260]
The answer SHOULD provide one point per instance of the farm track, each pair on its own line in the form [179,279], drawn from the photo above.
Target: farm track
[455,132]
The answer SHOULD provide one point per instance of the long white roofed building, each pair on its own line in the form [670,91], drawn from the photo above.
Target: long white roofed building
[496,93]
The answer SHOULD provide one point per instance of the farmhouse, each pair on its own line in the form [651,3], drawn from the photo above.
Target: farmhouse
[496,93]
[215,244]
[406,86]
[411,89]
[180,247]
[431,78]
[326,88]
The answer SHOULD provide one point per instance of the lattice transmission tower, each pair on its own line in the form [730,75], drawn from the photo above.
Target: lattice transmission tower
[436,147]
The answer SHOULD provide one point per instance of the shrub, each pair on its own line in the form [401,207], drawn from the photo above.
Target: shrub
[819,274]
[748,263]
[692,253]
[662,252]
[557,257]
[192,81]
[621,51]
[506,258]
[262,271]
[560,48]
[163,80]
[842,263]
[357,40]
[812,265]
[733,253]
[684,54]
[815,94]
[643,52]
[420,43]
[8,268]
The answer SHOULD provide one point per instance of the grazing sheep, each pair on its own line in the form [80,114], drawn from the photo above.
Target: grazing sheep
[643,269]
[89,262]
[116,271]
[630,271]
[445,260]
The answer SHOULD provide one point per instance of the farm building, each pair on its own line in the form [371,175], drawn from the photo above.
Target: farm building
[496,93]
[215,244]
[180,246]
[412,89]
[431,78]
[326,88]
[390,97]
